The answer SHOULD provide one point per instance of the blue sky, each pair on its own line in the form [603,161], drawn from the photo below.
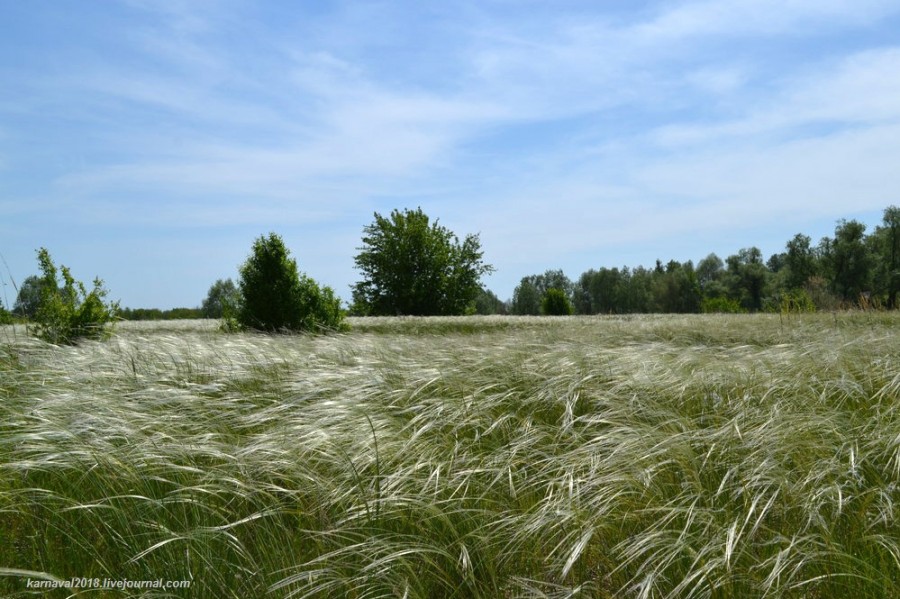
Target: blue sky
[149,142]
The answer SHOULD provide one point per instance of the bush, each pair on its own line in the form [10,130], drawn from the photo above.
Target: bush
[796,301]
[274,296]
[5,316]
[722,305]
[555,303]
[69,313]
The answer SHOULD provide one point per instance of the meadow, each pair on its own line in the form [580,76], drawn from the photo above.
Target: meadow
[649,456]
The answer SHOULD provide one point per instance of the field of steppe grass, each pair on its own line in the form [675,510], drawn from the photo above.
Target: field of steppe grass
[654,456]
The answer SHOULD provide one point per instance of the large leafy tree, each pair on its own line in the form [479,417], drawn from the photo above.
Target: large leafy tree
[747,275]
[800,260]
[849,260]
[412,266]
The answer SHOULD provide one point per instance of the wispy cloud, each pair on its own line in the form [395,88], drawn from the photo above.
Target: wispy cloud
[555,132]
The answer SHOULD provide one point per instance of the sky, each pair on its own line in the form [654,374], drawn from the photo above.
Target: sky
[149,142]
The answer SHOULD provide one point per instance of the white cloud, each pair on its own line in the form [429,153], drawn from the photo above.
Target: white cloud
[759,17]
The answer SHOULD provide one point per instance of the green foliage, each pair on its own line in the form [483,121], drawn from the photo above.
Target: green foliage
[556,303]
[530,292]
[795,301]
[721,305]
[676,290]
[886,248]
[274,296]
[800,261]
[413,267]
[668,457]
[69,313]
[747,276]
[222,300]
[526,299]
[29,297]
[487,303]
[157,314]
[5,316]
[848,260]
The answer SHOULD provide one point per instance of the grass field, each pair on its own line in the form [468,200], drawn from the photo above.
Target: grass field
[656,456]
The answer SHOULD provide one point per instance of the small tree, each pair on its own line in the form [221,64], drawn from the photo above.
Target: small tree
[68,313]
[221,300]
[28,298]
[556,303]
[274,296]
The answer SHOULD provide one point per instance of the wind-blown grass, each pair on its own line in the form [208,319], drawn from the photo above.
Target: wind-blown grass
[695,456]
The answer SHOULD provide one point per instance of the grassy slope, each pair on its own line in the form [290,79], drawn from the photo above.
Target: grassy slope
[707,456]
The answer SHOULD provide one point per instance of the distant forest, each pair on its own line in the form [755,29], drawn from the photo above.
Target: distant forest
[849,270]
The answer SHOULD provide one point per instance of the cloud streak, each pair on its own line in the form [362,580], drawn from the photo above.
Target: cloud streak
[675,119]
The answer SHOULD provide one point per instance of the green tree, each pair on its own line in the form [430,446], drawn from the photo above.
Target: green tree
[414,267]
[887,242]
[487,303]
[29,297]
[68,312]
[850,261]
[600,292]
[555,303]
[526,300]
[528,295]
[800,261]
[746,278]
[222,299]
[274,296]
[676,289]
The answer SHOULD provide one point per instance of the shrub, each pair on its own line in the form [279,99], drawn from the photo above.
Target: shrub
[722,305]
[274,296]
[555,303]
[68,313]
[5,316]
[793,302]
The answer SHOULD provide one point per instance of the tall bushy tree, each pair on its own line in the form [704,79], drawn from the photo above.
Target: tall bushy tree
[747,275]
[526,300]
[556,303]
[800,261]
[849,260]
[412,266]
[274,296]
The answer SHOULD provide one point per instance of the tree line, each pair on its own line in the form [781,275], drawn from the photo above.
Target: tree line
[850,269]
[411,265]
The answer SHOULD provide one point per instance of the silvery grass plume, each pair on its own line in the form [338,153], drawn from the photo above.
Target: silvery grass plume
[658,456]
